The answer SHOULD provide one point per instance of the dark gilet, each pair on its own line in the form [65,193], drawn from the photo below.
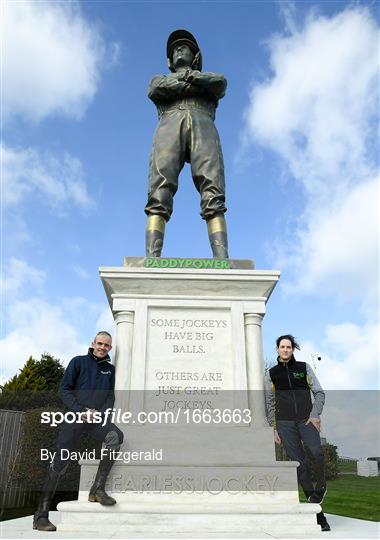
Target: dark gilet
[292,391]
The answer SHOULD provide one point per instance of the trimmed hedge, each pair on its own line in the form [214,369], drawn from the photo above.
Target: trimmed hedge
[30,468]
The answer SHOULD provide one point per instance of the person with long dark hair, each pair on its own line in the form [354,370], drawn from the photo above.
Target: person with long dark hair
[296,417]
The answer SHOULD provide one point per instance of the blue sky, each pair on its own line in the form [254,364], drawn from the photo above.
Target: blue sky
[298,126]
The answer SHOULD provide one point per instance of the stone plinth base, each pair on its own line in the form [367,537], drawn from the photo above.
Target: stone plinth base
[174,515]
[188,340]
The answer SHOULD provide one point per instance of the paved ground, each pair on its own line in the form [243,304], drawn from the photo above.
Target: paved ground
[342,527]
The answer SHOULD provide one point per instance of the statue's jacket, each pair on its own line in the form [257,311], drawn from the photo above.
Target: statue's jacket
[88,382]
[193,88]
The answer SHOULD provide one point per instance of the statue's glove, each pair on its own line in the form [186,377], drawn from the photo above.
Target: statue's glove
[190,75]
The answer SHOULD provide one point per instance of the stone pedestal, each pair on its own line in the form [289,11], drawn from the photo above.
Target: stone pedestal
[188,342]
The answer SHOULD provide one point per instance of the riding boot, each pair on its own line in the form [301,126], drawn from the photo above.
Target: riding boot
[41,517]
[154,236]
[217,234]
[97,491]
[322,522]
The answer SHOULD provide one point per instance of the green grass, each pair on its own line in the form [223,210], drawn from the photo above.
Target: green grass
[353,496]
[347,467]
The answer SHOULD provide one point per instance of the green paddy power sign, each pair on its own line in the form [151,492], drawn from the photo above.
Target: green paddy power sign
[162,262]
[182,263]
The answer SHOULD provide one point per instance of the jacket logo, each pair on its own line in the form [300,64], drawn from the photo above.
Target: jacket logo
[298,374]
[105,372]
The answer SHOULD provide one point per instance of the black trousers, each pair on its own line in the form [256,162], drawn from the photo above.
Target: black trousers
[70,433]
[294,435]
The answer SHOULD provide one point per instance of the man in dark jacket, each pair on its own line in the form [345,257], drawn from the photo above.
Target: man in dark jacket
[87,389]
[296,418]
[186,101]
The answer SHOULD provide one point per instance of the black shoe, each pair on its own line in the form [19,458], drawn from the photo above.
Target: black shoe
[97,491]
[322,521]
[100,496]
[41,522]
[325,527]
[41,517]
[318,496]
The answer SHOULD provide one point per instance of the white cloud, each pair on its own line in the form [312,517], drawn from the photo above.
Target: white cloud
[36,326]
[58,180]
[349,373]
[315,109]
[350,357]
[39,327]
[337,249]
[342,411]
[318,111]
[84,312]
[18,274]
[51,59]
[106,321]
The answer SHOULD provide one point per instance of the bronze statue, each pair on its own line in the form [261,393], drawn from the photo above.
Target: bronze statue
[186,100]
